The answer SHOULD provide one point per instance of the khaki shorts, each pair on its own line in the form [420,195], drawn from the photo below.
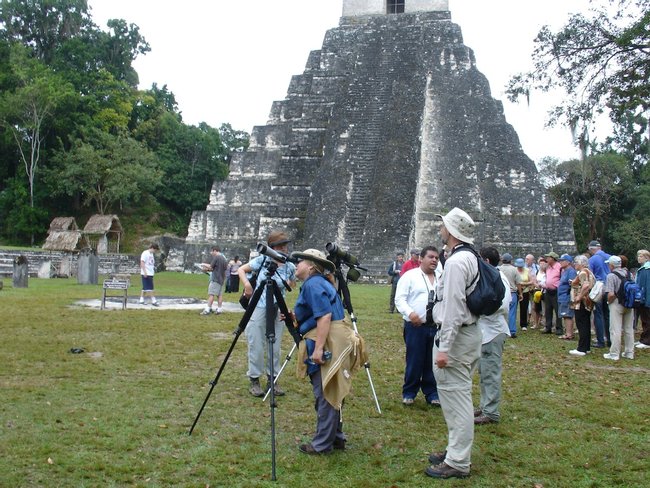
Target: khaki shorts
[214,288]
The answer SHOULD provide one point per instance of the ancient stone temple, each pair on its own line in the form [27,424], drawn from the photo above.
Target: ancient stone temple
[389,124]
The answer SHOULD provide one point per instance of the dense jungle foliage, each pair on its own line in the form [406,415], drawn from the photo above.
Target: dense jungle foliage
[78,137]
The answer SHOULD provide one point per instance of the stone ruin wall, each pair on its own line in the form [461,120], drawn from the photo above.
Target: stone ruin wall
[389,124]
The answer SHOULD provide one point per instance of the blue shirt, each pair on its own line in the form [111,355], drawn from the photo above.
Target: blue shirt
[597,265]
[564,288]
[286,272]
[317,298]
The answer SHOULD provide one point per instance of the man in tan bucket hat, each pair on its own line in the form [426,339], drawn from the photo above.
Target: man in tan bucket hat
[457,348]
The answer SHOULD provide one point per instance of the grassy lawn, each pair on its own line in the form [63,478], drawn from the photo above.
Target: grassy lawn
[118,414]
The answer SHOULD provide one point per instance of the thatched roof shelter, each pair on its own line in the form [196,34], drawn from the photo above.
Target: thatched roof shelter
[64,235]
[62,224]
[104,233]
[65,240]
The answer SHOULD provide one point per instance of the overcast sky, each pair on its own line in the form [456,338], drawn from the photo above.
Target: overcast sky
[227,61]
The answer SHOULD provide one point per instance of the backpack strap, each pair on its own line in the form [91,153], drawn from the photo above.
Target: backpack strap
[466,247]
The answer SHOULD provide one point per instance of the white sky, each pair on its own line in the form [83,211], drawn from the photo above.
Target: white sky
[226,61]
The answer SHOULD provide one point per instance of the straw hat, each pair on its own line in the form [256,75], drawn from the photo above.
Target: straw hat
[316,256]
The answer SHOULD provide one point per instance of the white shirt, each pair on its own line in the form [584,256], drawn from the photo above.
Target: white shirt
[412,293]
[147,263]
[497,323]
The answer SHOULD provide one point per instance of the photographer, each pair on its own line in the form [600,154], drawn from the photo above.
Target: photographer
[330,352]
[414,299]
[256,330]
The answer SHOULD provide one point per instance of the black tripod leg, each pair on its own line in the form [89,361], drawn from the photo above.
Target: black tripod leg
[295,334]
[240,328]
[271,314]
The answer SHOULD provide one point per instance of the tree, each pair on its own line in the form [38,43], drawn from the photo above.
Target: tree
[43,25]
[602,63]
[107,169]
[18,220]
[593,191]
[191,158]
[26,110]
[233,140]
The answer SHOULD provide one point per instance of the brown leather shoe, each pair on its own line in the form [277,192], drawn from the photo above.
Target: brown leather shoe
[444,471]
[309,449]
[483,419]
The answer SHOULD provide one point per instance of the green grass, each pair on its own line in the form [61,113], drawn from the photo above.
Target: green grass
[120,417]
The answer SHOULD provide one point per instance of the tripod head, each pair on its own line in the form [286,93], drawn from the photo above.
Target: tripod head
[272,264]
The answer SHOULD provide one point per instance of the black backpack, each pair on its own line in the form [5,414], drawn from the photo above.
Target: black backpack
[487,296]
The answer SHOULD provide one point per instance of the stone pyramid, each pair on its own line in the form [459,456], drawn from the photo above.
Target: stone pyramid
[389,124]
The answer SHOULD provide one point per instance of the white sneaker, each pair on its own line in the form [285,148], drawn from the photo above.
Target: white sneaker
[575,352]
[641,345]
[611,356]
[219,310]
[141,302]
[206,311]
[628,355]
[524,328]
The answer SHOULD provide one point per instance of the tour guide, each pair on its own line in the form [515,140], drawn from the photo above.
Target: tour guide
[319,312]
[458,348]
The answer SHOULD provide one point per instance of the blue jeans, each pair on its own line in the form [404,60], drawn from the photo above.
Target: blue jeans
[418,373]
[601,320]
[512,312]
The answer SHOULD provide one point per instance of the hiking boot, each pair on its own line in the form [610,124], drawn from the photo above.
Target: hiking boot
[255,388]
[435,458]
[444,471]
[276,388]
[484,419]
[309,449]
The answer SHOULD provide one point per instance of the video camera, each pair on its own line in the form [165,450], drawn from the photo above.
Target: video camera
[338,256]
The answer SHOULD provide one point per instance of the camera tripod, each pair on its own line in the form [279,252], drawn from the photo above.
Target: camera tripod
[272,290]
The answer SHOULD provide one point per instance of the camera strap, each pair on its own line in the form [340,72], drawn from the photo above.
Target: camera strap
[427,283]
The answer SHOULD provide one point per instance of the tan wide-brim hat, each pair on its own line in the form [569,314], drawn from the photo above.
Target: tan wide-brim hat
[459,224]
[316,256]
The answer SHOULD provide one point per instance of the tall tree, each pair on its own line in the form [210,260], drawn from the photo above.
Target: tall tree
[106,170]
[26,110]
[592,190]
[43,25]
[602,63]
